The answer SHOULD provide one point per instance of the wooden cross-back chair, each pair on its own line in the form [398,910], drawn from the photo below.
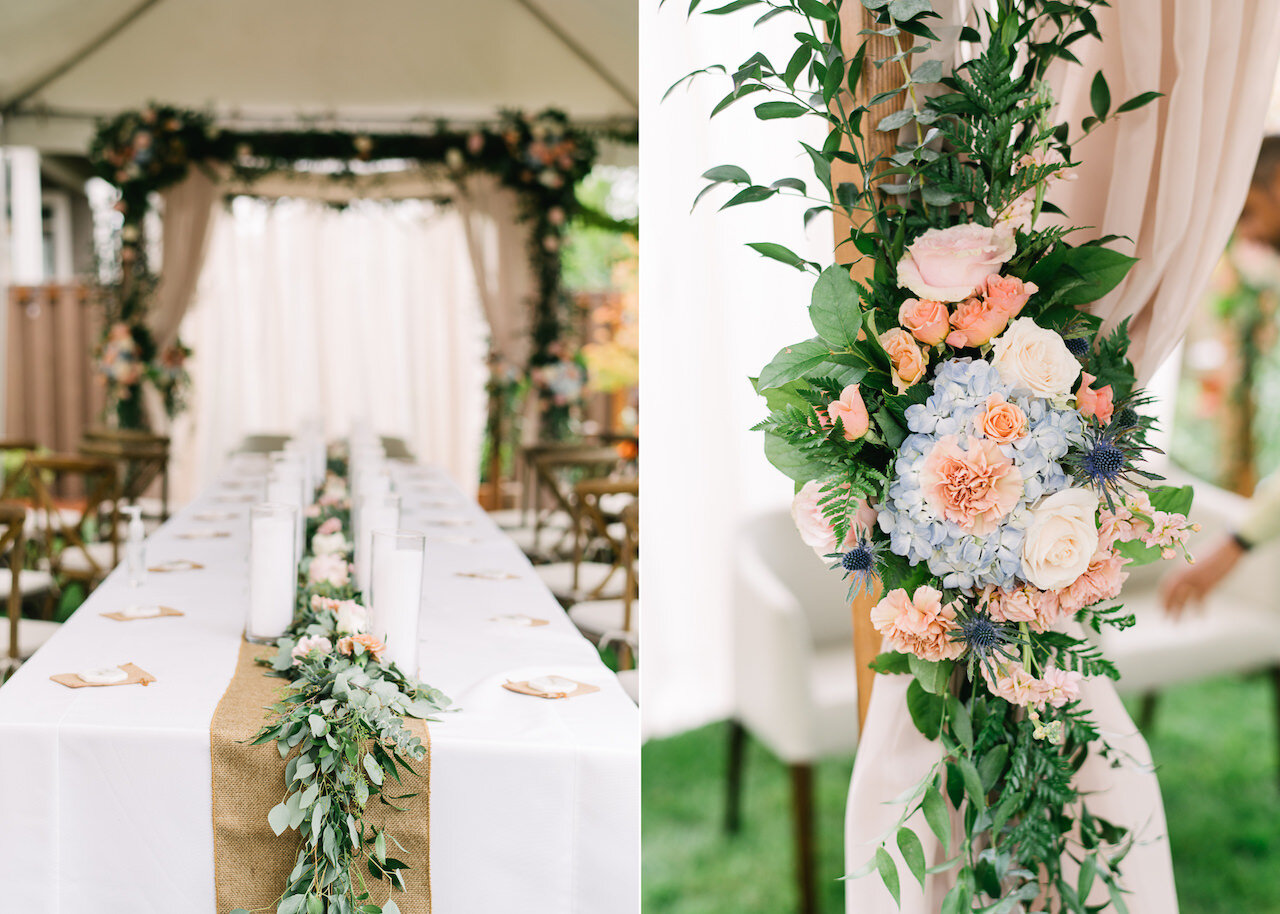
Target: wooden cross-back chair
[69,555]
[593,526]
[13,516]
[12,481]
[555,473]
[140,459]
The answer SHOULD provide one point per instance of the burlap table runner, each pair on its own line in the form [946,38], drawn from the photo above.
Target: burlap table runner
[250,864]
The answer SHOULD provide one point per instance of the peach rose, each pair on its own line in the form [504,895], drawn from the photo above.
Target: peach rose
[1098,402]
[975,321]
[973,489]
[1061,539]
[1008,293]
[908,359]
[851,412]
[927,320]
[948,265]
[918,624]
[372,645]
[1003,422]
[816,530]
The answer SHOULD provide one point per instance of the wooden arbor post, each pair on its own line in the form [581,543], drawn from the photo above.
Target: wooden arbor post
[854,18]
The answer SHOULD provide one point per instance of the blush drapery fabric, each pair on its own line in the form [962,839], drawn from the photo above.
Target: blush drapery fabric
[306,311]
[188,220]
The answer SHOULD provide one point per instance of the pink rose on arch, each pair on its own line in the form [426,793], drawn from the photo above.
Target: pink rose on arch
[851,412]
[926,320]
[330,568]
[816,530]
[919,624]
[948,265]
[1096,402]
[975,321]
[908,360]
[974,488]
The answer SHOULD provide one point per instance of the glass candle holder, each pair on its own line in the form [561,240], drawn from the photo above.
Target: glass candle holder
[395,594]
[373,512]
[287,486]
[273,570]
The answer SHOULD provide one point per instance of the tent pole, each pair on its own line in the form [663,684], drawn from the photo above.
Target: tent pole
[854,18]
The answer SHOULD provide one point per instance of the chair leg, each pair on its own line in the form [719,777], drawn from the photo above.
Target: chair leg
[733,779]
[802,813]
[1275,684]
[1147,712]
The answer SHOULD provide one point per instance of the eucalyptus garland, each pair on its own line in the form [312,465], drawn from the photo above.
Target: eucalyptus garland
[340,727]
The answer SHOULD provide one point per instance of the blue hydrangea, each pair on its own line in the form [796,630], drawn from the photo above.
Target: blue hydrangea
[964,561]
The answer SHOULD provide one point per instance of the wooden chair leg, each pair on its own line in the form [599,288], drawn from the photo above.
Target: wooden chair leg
[1275,684]
[733,778]
[1147,712]
[802,813]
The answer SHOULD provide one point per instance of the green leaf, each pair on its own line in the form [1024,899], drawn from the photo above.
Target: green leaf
[373,769]
[315,904]
[1138,101]
[1088,871]
[1172,499]
[792,362]
[937,814]
[727,173]
[961,723]
[390,907]
[292,904]
[1100,96]
[768,111]
[380,847]
[890,662]
[817,10]
[791,461]
[318,725]
[902,10]
[956,901]
[896,120]
[912,853]
[834,307]
[972,783]
[1099,268]
[926,710]
[1137,553]
[821,166]
[278,818]
[932,675]
[753,194]
[928,72]
[779,253]
[888,873]
[991,766]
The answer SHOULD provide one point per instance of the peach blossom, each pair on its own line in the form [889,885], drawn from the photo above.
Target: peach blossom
[1003,422]
[1015,684]
[1097,402]
[1060,687]
[1007,293]
[372,645]
[975,321]
[908,360]
[925,319]
[851,412]
[973,488]
[919,624]
[949,264]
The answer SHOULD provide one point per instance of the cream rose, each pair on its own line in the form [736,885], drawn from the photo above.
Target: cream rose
[352,617]
[1035,358]
[1061,539]
[948,265]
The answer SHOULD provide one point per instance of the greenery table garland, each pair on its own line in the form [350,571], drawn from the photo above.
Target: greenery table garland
[340,726]
[961,430]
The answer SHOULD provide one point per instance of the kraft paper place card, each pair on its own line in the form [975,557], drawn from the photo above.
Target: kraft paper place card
[176,565]
[202,534]
[134,675]
[519,620]
[568,688]
[208,516]
[134,613]
[489,575]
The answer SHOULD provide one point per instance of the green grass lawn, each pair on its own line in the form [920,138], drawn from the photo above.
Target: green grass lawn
[1215,743]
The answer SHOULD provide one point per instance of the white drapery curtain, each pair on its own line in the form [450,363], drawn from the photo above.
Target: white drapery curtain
[1171,176]
[303,310]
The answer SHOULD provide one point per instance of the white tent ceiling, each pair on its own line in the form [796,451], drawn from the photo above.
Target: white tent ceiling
[354,62]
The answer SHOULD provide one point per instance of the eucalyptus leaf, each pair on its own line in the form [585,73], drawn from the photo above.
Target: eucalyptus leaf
[912,853]
[888,873]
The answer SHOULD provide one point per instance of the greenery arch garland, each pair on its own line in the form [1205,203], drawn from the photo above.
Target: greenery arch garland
[540,156]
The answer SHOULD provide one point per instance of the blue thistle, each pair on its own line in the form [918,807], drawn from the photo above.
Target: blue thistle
[984,637]
[859,565]
[1078,346]
[1106,460]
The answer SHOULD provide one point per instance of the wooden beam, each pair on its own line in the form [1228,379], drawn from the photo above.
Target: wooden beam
[854,17]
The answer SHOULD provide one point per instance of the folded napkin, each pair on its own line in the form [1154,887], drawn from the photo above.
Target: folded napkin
[524,688]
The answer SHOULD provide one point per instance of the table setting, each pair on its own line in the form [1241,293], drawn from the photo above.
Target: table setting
[502,770]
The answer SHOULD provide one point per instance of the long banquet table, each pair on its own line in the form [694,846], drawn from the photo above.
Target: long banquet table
[105,800]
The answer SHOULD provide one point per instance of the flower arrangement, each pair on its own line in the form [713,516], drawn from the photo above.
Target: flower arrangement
[962,432]
[340,725]
[127,359]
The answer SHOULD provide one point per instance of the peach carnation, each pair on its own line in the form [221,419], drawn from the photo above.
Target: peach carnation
[1003,422]
[1102,580]
[925,319]
[919,624]
[973,489]
[372,645]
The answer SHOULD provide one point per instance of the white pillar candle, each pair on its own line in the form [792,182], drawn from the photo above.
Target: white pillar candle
[273,570]
[375,512]
[395,596]
[286,486]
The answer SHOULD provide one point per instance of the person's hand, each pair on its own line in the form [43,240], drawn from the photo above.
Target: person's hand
[1192,584]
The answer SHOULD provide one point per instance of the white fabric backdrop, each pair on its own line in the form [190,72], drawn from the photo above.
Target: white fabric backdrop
[371,310]
[715,312]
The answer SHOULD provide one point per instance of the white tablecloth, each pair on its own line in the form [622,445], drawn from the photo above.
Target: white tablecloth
[105,792]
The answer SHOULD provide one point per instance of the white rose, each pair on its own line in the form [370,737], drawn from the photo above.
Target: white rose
[329,543]
[1035,358]
[1061,539]
[948,265]
[352,617]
